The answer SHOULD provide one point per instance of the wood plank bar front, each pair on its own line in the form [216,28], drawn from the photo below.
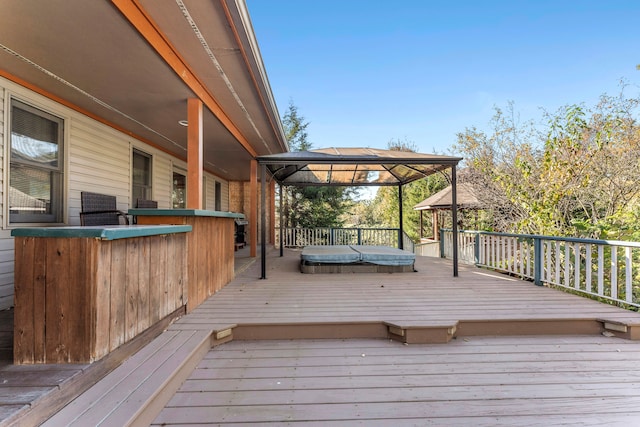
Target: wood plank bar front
[210,248]
[79,298]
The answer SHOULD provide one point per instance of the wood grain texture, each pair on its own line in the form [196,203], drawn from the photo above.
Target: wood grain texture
[80,298]
[210,253]
[480,381]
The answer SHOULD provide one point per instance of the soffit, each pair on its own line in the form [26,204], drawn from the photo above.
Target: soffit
[88,54]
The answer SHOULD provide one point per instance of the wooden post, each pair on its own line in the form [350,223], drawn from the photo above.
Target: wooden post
[253,209]
[435,225]
[194,154]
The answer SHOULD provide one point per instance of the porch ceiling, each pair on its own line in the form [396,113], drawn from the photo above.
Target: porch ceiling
[89,55]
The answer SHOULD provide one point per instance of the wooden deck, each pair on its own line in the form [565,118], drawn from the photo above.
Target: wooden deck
[480,381]
[507,351]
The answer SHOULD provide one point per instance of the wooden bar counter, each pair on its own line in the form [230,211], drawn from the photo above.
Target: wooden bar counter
[81,292]
[210,247]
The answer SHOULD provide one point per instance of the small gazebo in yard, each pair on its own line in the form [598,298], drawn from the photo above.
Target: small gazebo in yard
[442,200]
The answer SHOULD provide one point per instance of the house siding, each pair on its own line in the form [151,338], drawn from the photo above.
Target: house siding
[6,242]
[98,158]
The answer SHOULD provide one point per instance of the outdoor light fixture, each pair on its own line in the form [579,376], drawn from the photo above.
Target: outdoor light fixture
[183,123]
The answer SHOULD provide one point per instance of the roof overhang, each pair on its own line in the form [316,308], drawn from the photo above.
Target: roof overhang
[133,64]
[465,196]
[353,167]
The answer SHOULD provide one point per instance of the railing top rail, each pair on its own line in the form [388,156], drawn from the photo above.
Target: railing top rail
[553,238]
[340,228]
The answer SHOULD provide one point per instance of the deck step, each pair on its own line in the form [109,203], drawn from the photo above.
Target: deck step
[622,328]
[432,333]
[135,392]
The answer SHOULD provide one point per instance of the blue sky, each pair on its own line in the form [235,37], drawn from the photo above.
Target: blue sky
[364,72]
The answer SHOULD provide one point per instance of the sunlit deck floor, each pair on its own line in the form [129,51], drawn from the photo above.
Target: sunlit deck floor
[481,301]
[501,365]
[479,381]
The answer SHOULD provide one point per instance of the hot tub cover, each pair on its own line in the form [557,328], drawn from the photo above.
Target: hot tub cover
[347,254]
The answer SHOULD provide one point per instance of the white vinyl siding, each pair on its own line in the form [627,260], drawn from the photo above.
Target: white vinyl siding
[225,195]
[162,175]
[210,189]
[6,241]
[99,161]
[97,158]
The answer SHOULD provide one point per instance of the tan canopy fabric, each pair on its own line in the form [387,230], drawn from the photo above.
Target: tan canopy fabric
[353,166]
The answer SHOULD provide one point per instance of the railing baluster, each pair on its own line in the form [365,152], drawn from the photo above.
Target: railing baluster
[614,272]
[576,265]
[600,270]
[587,269]
[628,264]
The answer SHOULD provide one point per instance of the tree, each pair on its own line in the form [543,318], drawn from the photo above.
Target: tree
[578,177]
[385,204]
[310,207]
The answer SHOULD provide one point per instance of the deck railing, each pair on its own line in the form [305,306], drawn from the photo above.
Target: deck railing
[301,237]
[600,268]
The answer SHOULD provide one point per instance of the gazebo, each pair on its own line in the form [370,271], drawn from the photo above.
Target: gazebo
[442,200]
[353,167]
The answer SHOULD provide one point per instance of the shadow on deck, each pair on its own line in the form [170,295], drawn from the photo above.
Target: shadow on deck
[29,394]
[429,306]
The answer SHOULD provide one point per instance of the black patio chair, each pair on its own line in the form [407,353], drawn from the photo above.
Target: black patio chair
[100,209]
[146,204]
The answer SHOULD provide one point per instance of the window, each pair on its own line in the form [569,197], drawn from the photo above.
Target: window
[35,165]
[218,196]
[179,193]
[141,179]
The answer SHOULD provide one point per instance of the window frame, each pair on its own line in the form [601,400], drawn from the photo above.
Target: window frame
[57,173]
[183,173]
[147,188]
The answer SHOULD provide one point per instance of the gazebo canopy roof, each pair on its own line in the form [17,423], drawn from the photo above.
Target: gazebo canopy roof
[465,196]
[353,166]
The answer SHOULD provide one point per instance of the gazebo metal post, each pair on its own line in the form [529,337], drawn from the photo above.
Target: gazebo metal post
[263,213]
[281,223]
[400,243]
[454,219]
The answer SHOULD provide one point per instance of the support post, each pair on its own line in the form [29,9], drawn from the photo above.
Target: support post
[263,225]
[454,219]
[537,261]
[253,209]
[272,212]
[401,229]
[194,153]
[281,223]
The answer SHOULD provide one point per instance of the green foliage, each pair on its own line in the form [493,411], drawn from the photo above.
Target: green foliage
[310,207]
[385,208]
[578,177]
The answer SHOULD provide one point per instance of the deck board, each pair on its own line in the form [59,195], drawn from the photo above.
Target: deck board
[503,380]
[369,382]
[472,380]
